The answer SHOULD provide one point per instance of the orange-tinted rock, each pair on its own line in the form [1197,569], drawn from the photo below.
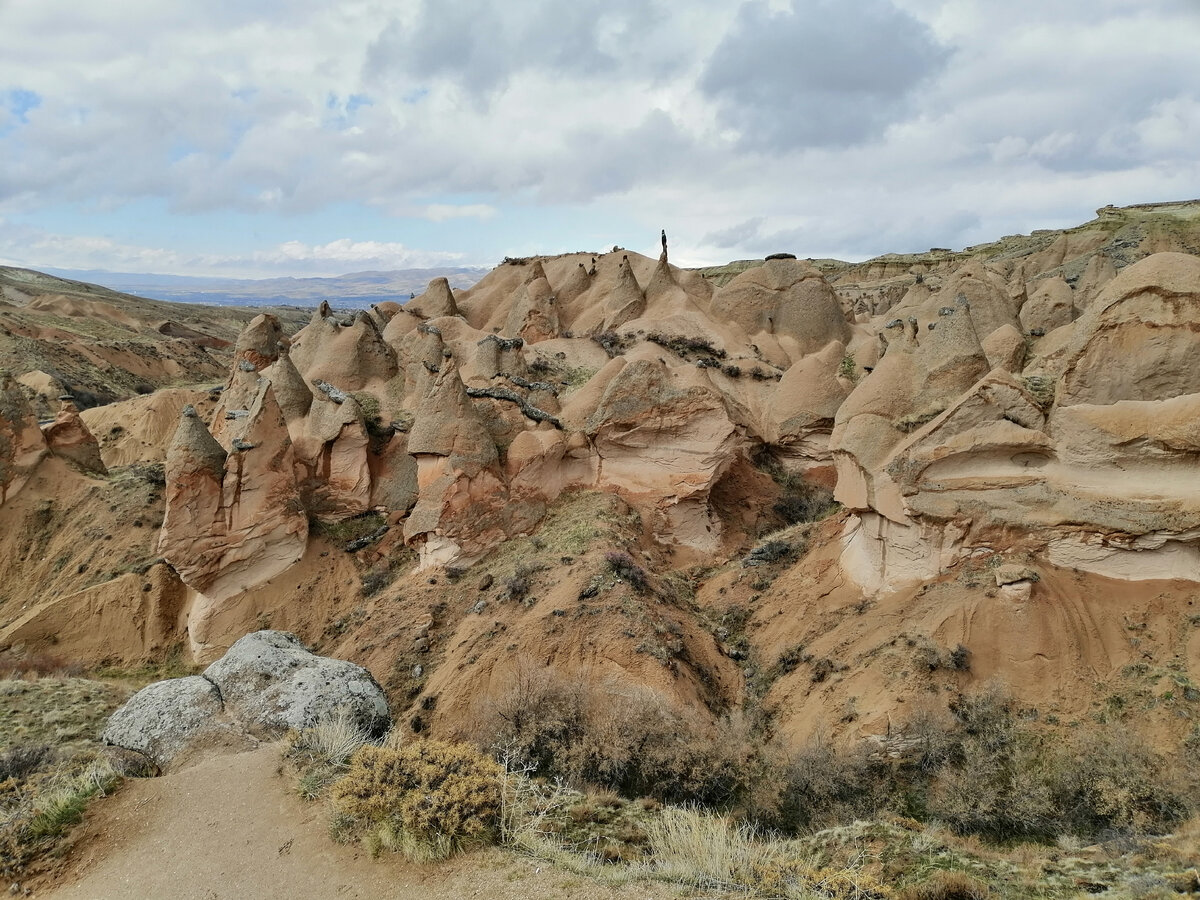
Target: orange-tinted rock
[68,437]
[22,445]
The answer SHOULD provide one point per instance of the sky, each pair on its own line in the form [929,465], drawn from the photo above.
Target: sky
[260,138]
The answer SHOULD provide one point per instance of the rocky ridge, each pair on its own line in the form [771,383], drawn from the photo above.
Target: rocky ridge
[1028,403]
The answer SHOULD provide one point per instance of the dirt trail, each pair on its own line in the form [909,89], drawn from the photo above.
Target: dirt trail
[228,828]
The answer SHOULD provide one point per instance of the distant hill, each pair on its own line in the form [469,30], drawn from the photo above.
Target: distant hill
[356,289]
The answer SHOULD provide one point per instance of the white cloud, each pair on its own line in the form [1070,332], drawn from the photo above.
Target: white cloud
[444,212]
[837,128]
[22,246]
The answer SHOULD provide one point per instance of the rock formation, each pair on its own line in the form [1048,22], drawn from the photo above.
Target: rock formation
[1029,406]
[264,685]
[68,436]
[22,444]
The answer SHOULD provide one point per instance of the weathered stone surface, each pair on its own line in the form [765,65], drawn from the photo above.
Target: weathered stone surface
[261,342]
[270,682]
[1050,306]
[438,300]
[265,684]
[22,445]
[533,316]
[784,297]
[1137,340]
[69,437]
[163,718]
[347,355]
[626,301]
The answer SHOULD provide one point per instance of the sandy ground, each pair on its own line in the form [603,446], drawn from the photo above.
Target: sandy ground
[229,828]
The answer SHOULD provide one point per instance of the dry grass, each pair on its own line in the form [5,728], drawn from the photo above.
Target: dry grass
[698,848]
[333,741]
[943,885]
[51,762]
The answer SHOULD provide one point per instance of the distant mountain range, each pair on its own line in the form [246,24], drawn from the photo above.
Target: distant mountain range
[356,289]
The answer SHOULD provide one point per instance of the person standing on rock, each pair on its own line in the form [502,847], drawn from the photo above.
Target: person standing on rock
[664,241]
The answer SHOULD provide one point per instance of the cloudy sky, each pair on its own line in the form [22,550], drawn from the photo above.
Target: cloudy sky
[277,137]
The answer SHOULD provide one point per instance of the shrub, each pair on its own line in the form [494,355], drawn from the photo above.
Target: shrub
[14,664]
[804,502]
[1111,781]
[1000,791]
[622,565]
[18,762]
[429,800]
[628,739]
[820,786]
[687,347]
[332,740]
[518,585]
[698,848]
[764,554]
[614,344]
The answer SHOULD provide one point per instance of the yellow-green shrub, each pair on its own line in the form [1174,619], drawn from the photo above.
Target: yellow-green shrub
[429,799]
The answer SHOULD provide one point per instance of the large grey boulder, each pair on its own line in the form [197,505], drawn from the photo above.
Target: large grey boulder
[164,718]
[270,683]
[264,685]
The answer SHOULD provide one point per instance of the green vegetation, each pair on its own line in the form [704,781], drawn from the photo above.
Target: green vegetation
[1042,388]
[51,760]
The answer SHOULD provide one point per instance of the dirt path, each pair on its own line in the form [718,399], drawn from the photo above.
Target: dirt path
[227,829]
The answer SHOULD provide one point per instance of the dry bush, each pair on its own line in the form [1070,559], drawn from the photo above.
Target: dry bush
[819,786]
[804,502]
[622,565]
[331,741]
[33,663]
[996,781]
[698,848]
[429,800]
[946,885]
[627,738]
[1111,781]
[22,760]
[323,752]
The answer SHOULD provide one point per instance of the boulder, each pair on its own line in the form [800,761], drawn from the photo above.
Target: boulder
[270,682]
[264,685]
[163,718]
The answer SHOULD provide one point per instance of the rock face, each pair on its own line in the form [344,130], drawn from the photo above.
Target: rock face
[658,437]
[1092,471]
[786,298]
[234,517]
[961,397]
[22,445]
[265,684]
[68,437]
